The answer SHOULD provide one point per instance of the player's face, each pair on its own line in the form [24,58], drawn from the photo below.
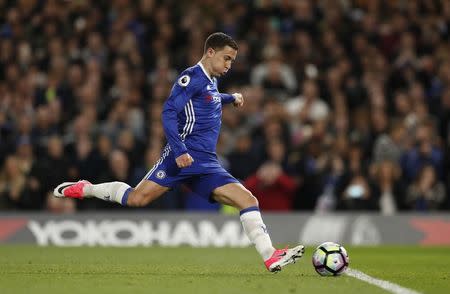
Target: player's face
[221,60]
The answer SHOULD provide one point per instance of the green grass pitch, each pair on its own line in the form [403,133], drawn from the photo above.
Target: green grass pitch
[35,270]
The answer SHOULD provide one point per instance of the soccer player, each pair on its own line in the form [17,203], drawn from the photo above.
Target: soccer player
[191,119]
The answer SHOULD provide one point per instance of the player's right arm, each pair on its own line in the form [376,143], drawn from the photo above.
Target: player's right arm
[183,90]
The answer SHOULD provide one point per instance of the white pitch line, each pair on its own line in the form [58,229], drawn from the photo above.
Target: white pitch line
[386,285]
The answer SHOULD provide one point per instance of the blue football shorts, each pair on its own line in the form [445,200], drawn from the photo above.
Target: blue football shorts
[202,177]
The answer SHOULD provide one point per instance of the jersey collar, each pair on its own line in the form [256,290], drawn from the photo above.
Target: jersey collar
[204,71]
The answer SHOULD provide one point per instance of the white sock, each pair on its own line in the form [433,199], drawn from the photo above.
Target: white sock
[256,231]
[112,191]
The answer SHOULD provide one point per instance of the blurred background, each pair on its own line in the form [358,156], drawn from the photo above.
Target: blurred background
[347,102]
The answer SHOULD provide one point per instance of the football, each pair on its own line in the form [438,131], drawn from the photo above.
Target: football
[330,259]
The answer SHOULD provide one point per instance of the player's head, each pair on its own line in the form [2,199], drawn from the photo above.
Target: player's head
[220,52]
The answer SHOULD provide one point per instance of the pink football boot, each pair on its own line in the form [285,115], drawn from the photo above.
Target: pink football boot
[71,189]
[283,257]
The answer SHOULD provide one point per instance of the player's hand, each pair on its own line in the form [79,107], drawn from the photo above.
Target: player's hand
[184,160]
[238,100]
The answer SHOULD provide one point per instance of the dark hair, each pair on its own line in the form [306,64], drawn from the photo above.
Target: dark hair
[218,41]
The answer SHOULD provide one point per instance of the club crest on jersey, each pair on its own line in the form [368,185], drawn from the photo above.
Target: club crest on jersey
[160,174]
[184,80]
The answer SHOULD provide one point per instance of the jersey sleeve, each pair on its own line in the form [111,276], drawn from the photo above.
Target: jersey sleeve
[183,90]
[226,98]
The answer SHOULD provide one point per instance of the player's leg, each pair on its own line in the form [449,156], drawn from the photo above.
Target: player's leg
[236,195]
[119,192]
[153,185]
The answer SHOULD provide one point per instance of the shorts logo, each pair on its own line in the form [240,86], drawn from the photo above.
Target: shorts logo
[183,81]
[160,174]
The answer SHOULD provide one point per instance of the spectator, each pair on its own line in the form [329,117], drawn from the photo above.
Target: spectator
[271,184]
[358,194]
[48,170]
[60,206]
[273,74]
[386,175]
[426,193]
[243,159]
[425,151]
[307,107]
[327,201]
[355,190]
[12,185]
[390,146]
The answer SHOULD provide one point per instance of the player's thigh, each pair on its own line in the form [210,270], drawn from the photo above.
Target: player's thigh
[234,194]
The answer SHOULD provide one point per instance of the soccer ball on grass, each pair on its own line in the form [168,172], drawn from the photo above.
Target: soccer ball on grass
[330,259]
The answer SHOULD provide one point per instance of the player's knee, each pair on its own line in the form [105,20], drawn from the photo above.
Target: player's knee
[253,200]
[138,199]
[133,199]
[250,200]
[240,199]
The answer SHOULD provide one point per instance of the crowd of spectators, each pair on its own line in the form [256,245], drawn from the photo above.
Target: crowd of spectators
[347,101]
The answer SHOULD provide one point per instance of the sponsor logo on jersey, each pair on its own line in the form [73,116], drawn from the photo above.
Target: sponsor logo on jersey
[213,98]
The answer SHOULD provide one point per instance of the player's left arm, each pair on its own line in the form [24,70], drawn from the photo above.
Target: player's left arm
[236,98]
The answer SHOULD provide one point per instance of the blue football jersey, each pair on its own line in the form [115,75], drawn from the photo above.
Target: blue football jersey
[192,115]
